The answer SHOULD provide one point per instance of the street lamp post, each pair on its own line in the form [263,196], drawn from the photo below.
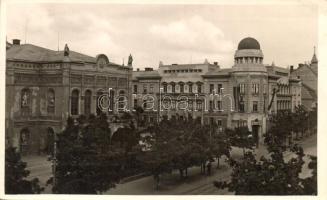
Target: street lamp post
[54,160]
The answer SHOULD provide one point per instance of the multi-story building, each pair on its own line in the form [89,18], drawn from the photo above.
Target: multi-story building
[308,73]
[243,95]
[44,87]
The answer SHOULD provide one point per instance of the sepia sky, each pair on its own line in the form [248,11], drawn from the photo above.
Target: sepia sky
[168,33]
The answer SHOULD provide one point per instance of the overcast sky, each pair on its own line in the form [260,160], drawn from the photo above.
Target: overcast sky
[168,33]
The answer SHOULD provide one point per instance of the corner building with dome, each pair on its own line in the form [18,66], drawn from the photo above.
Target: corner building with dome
[252,91]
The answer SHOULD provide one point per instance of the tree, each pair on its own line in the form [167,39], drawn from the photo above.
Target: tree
[138,111]
[178,144]
[268,176]
[282,125]
[220,146]
[242,138]
[300,119]
[85,162]
[271,175]
[16,173]
[313,120]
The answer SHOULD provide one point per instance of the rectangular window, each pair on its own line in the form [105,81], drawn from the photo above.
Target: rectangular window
[241,123]
[199,105]
[219,122]
[211,120]
[255,106]
[255,88]
[145,89]
[219,88]
[151,88]
[165,88]
[135,89]
[211,88]
[241,106]
[199,89]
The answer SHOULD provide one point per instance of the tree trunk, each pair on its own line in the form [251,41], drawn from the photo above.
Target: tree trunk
[181,173]
[204,168]
[156,177]
[186,172]
[217,162]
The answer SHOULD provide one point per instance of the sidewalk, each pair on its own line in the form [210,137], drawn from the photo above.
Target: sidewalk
[196,184]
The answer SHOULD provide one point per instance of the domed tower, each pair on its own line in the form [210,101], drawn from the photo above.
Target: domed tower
[248,56]
[249,82]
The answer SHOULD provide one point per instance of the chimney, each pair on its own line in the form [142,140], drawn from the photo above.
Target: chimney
[215,63]
[138,69]
[291,68]
[16,41]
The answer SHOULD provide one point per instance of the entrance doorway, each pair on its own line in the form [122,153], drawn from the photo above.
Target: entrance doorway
[24,141]
[49,141]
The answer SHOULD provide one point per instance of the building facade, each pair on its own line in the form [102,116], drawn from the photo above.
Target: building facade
[308,73]
[45,87]
[243,95]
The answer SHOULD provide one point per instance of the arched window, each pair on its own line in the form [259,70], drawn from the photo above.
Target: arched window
[164,87]
[199,88]
[25,102]
[74,102]
[181,87]
[24,140]
[87,102]
[190,87]
[51,101]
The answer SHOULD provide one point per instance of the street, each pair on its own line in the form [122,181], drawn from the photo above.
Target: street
[197,184]
[171,184]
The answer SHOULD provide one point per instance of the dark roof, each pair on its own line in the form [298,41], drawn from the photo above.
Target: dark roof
[248,43]
[312,68]
[308,91]
[8,45]
[33,53]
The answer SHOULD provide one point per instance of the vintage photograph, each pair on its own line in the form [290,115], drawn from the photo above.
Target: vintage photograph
[160,99]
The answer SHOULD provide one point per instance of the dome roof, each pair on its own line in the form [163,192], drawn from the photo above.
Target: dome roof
[248,43]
